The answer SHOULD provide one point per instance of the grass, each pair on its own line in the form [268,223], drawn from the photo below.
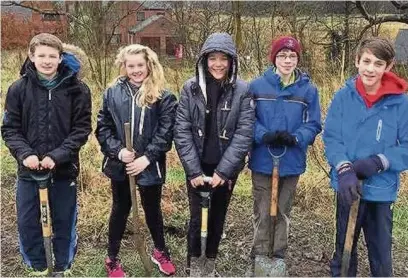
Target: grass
[311,238]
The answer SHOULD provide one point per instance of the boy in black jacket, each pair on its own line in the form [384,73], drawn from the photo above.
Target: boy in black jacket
[47,119]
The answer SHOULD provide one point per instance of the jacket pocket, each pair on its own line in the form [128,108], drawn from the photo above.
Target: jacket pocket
[383,181]
[113,169]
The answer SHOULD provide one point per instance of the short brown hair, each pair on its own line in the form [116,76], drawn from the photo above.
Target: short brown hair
[45,39]
[379,47]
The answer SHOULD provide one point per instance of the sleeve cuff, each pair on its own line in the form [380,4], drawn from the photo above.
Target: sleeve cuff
[25,155]
[221,175]
[341,163]
[149,156]
[120,154]
[194,176]
[385,162]
[299,139]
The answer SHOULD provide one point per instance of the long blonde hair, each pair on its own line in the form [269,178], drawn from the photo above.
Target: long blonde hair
[153,85]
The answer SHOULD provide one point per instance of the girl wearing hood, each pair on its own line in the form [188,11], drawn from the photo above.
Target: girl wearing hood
[47,119]
[287,122]
[213,134]
[138,97]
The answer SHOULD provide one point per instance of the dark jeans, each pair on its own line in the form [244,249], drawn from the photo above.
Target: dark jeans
[150,197]
[220,198]
[62,196]
[375,218]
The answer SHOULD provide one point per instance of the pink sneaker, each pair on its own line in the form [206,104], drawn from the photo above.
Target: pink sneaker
[114,268]
[163,262]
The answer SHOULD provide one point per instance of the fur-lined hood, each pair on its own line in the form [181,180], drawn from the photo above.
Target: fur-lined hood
[73,62]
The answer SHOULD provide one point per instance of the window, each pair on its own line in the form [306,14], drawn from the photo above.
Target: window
[51,17]
[140,16]
[115,39]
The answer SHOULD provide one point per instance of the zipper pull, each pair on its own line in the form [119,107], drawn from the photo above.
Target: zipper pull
[224,135]
[49,95]
[200,133]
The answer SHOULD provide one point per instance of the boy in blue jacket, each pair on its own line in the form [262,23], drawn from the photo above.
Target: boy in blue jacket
[287,118]
[366,138]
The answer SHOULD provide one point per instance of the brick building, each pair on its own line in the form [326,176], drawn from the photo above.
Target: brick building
[149,24]
[20,24]
[144,22]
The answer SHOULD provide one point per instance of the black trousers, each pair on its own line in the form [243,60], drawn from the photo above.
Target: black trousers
[220,198]
[150,197]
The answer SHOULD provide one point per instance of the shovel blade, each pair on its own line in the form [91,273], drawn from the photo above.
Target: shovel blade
[267,267]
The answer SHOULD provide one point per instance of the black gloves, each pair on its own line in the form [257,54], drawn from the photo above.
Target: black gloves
[279,138]
[368,167]
[349,186]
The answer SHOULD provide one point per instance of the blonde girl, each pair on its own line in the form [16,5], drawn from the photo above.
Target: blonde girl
[137,96]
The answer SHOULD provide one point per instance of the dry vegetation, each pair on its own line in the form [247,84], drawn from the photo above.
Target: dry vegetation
[311,236]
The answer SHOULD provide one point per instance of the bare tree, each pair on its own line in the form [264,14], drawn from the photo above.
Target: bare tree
[375,19]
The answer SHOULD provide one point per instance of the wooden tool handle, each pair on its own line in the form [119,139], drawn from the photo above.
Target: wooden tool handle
[274,192]
[348,244]
[45,213]
[137,223]
[204,221]
[128,137]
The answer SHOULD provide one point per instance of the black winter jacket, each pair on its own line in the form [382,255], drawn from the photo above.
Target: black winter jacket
[42,122]
[152,132]
[235,116]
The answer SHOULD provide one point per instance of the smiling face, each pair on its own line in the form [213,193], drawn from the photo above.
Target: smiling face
[286,61]
[136,68]
[46,60]
[218,65]
[371,70]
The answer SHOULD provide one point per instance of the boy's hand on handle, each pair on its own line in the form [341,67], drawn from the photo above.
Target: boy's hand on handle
[136,167]
[270,138]
[286,139]
[198,181]
[32,162]
[126,156]
[349,186]
[279,138]
[216,180]
[47,163]
[368,167]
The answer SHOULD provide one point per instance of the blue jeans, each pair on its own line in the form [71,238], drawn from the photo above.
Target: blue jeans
[375,218]
[62,196]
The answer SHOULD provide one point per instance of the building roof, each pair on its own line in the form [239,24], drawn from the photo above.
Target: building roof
[140,26]
[15,10]
[401,46]
[156,5]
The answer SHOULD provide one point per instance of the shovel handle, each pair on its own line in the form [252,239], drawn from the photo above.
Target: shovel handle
[348,243]
[46,226]
[45,213]
[137,223]
[274,189]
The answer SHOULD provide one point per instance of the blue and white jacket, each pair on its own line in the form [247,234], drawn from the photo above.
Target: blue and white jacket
[353,131]
[294,108]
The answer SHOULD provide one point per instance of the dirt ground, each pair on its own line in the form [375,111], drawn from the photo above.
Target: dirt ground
[310,246]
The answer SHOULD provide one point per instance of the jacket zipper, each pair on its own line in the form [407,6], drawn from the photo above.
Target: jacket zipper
[158,169]
[106,162]
[56,86]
